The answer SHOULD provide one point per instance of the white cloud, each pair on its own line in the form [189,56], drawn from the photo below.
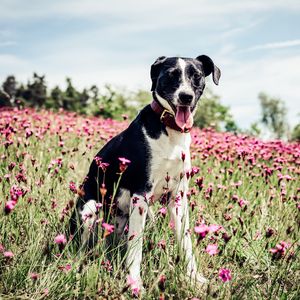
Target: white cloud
[157,11]
[276,45]
[241,82]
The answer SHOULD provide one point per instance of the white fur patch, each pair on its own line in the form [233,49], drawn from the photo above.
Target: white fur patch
[184,87]
[165,104]
[124,200]
[88,217]
[166,152]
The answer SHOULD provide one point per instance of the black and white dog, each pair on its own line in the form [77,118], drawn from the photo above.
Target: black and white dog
[157,143]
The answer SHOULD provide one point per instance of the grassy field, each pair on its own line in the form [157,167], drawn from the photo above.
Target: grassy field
[248,188]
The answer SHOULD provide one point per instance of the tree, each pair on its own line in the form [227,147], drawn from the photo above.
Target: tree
[56,98]
[296,133]
[273,115]
[10,88]
[211,113]
[254,129]
[35,94]
[71,97]
[4,99]
[295,136]
[83,99]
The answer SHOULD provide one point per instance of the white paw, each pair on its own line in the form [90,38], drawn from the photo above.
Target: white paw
[136,285]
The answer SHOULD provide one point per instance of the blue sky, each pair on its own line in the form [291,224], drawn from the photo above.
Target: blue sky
[256,44]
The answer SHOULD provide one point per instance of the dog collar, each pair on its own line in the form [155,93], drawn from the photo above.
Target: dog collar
[166,117]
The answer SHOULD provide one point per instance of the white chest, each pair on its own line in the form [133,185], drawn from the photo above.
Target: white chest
[170,158]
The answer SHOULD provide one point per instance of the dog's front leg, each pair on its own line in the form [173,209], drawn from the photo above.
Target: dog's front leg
[137,219]
[178,208]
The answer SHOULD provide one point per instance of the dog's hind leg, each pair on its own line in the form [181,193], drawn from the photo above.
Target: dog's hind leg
[89,215]
[83,227]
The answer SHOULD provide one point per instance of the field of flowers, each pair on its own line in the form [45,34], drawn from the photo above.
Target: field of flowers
[244,204]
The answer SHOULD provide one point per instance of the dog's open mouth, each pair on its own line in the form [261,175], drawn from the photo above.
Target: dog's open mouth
[184,118]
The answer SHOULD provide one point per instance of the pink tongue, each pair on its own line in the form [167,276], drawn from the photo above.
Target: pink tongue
[184,118]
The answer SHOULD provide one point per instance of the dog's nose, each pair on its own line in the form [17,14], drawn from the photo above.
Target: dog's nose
[185,98]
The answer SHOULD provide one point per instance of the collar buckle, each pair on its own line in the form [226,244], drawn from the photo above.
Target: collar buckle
[165,111]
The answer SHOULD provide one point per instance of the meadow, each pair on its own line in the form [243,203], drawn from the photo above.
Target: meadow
[244,216]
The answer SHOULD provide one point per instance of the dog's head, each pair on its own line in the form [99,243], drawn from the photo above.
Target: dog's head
[178,84]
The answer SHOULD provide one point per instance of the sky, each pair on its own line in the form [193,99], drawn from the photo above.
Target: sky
[256,44]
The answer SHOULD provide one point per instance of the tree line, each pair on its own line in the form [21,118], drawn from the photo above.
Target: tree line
[112,102]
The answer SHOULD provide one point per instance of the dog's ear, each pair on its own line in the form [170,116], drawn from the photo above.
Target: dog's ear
[209,67]
[155,69]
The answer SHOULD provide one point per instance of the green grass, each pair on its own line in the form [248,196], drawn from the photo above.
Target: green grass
[29,230]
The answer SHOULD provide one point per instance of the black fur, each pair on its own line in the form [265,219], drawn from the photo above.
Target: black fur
[131,144]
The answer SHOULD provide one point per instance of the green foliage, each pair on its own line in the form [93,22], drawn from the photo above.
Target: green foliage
[211,113]
[274,114]
[115,103]
[4,99]
[109,102]
[296,133]
[254,129]
[36,93]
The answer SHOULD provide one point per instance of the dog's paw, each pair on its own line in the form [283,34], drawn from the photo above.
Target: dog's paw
[136,285]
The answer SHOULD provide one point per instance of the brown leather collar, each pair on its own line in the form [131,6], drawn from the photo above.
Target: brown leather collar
[166,117]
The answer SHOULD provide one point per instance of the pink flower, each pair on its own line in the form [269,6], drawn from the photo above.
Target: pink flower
[202,230]
[60,239]
[101,164]
[1,248]
[8,254]
[9,206]
[194,170]
[133,283]
[199,182]
[212,249]
[214,228]
[104,166]
[68,267]
[225,275]
[280,249]
[124,162]
[72,187]
[34,276]
[107,265]
[16,192]
[65,268]
[108,228]
[163,211]
[243,202]
[171,225]
[162,282]
[162,244]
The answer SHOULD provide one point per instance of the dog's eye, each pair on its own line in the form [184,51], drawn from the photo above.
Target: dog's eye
[174,73]
[197,79]
[171,79]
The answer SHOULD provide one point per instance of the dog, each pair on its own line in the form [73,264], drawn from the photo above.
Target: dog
[153,153]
